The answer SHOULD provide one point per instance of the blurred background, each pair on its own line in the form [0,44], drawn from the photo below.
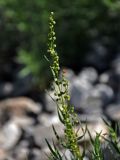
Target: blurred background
[88,43]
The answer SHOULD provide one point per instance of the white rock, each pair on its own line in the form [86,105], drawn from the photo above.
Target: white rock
[104,78]
[9,135]
[88,74]
[80,89]
[48,120]
[22,121]
[103,91]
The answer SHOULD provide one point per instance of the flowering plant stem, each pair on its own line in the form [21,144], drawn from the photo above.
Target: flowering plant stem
[65,112]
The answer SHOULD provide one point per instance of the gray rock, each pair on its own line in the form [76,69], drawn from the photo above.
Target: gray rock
[89,100]
[88,74]
[67,154]
[6,89]
[92,104]
[50,104]
[40,133]
[79,91]
[38,155]
[21,153]
[44,153]
[23,144]
[104,78]
[105,92]
[113,112]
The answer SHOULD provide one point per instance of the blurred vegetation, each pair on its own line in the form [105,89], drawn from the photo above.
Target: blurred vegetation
[80,23]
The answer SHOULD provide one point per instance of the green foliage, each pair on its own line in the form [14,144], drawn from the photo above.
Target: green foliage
[23,33]
[97,149]
[55,154]
[97,152]
[113,139]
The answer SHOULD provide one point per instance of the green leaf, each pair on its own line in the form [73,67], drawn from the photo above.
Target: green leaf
[51,149]
[58,138]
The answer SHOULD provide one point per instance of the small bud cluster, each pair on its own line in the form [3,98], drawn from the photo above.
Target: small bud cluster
[51,45]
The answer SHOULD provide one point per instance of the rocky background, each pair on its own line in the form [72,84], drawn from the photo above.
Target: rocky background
[88,43]
[26,116]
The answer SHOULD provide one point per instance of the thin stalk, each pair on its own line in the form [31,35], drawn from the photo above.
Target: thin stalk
[66,112]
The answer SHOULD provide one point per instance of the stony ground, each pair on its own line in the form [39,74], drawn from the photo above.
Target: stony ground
[24,125]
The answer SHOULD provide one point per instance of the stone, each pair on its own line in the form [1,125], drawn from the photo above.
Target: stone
[6,89]
[92,104]
[113,112]
[88,74]
[10,134]
[22,121]
[21,153]
[23,143]
[47,120]
[19,105]
[42,132]
[105,92]
[104,78]
[79,91]
[45,152]
[50,104]
[38,154]
[67,154]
